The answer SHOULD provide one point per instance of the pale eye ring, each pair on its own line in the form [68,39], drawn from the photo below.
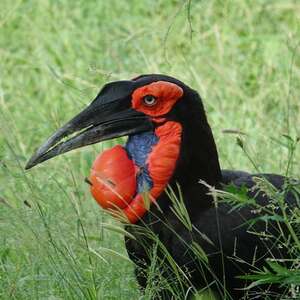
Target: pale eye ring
[149,100]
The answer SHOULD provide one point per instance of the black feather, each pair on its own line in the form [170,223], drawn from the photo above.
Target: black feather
[225,234]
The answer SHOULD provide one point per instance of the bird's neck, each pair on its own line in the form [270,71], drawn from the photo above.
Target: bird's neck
[174,154]
[198,163]
[198,159]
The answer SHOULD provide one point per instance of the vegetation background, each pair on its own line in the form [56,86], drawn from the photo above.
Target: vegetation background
[243,58]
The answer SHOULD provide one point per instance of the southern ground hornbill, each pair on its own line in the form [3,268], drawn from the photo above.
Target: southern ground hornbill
[170,144]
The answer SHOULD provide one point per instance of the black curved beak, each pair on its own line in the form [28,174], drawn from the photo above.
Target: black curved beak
[109,116]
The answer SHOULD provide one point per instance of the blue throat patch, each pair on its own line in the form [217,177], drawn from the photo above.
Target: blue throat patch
[138,147]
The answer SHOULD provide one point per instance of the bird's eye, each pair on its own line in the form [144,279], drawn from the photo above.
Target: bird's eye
[149,100]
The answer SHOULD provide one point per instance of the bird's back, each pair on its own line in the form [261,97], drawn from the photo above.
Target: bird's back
[244,237]
[232,243]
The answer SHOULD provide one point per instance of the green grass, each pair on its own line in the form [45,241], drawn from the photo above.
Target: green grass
[243,58]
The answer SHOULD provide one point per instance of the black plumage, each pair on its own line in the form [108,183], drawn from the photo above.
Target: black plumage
[234,251]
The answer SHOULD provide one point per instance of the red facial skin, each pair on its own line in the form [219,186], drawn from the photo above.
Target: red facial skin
[113,175]
[166,93]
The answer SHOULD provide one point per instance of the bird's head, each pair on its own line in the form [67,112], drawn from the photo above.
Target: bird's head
[147,104]
[121,108]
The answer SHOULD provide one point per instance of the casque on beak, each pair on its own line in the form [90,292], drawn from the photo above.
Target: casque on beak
[109,116]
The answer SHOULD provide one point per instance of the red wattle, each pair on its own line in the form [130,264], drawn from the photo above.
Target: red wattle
[136,209]
[113,178]
[161,165]
[113,175]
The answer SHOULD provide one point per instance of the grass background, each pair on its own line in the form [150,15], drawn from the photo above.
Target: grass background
[243,58]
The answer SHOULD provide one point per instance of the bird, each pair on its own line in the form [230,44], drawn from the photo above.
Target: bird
[170,150]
